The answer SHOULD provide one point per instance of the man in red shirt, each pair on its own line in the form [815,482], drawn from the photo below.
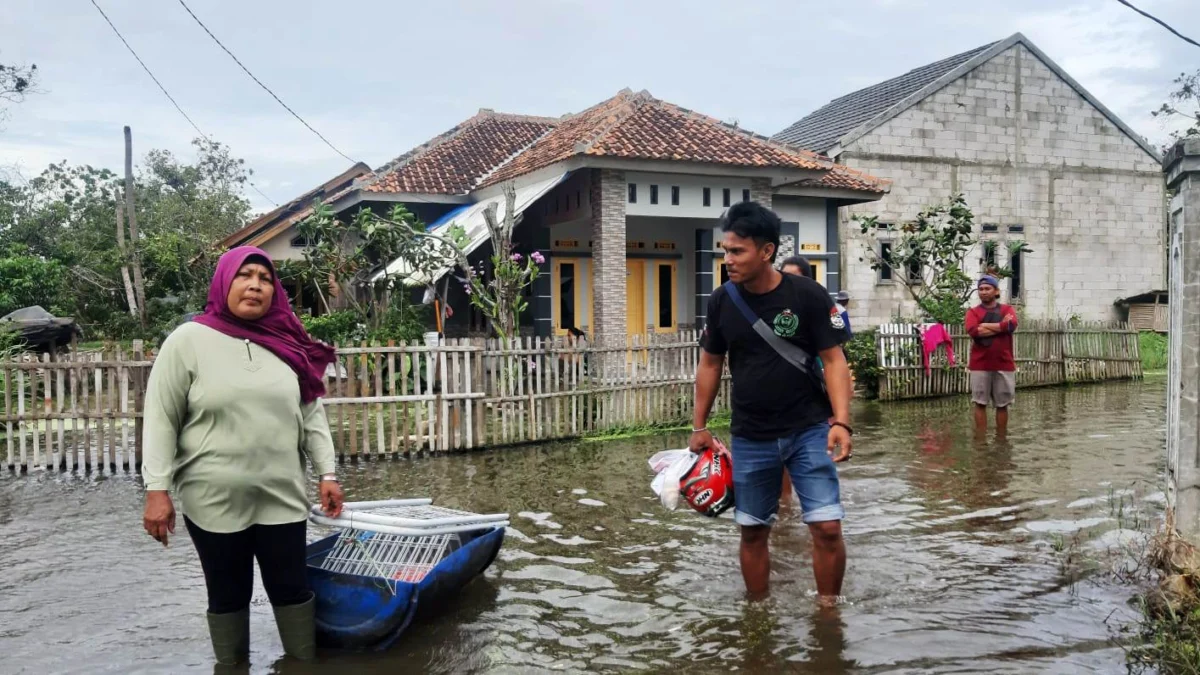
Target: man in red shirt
[993,368]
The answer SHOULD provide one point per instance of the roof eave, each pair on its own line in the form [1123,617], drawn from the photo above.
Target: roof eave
[845,194]
[268,220]
[779,175]
[359,196]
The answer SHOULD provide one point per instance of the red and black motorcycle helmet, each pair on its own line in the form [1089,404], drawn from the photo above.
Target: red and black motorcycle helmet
[708,485]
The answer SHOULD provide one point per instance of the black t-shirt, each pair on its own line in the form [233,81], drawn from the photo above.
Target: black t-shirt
[771,397]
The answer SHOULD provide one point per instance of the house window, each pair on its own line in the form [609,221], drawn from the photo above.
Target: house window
[1016,229]
[299,241]
[653,194]
[708,196]
[991,227]
[674,195]
[633,193]
[885,255]
[665,278]
[745,195]
[725,197]
[1014,282]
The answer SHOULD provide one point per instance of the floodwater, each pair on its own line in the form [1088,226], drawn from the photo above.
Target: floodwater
[956,559]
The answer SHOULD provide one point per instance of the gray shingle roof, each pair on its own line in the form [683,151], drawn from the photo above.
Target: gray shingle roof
[823,128]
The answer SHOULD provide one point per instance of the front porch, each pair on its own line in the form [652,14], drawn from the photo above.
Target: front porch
[632,254]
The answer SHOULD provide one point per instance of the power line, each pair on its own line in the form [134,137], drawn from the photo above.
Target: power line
[168,94]
[1160,22]
[259,82]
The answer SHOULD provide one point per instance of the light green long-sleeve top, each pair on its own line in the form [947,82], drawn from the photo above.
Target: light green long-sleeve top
[224,426]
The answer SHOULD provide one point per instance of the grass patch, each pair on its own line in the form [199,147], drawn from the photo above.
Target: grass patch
[1167,637]
[1153,349]
[718,421]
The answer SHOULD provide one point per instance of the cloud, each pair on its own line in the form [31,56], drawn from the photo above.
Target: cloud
[378,87]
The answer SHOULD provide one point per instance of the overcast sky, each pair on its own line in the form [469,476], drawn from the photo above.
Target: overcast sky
[377,77]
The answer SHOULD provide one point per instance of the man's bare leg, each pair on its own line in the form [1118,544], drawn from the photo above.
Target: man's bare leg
[980,418]
[756,561]
[829,559]
[1002,422]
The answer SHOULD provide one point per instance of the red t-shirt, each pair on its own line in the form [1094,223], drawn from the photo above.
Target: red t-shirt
[997,354]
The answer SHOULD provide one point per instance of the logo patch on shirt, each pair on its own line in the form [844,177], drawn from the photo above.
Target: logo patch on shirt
[836,320]
[785,323]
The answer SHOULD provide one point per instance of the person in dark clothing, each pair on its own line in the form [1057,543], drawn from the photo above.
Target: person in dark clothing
[781,415]
[797,265]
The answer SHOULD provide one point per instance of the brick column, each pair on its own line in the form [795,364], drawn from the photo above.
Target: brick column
[760,191]
[789,242]
[608,193]
[1182,166]
[543,313]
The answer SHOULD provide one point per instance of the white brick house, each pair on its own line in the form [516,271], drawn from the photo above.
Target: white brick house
[1038,158]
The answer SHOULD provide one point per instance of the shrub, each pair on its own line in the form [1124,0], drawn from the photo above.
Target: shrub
[1153,349]
[863,357]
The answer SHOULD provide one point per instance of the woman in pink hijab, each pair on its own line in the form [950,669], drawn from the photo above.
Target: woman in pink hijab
[233,409]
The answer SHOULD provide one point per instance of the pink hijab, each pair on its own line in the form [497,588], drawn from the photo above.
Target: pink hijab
[278,331]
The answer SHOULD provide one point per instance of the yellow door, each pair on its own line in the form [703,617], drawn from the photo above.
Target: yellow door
[720,274]
[571,295]
[635,296]
[665,280]
[818,272]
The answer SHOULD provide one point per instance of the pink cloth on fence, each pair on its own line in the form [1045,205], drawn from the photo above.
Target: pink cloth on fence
[932,337]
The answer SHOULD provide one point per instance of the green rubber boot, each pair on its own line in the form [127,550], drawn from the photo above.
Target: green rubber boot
[297,629]
[230,634]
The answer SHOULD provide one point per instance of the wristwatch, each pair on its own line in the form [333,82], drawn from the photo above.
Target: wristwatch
[329,476]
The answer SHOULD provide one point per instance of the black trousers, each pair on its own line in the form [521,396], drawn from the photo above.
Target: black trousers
[228,562]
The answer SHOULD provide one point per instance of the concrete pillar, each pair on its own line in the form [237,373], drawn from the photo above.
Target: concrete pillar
[1182,168]
[608,194]
[833,247]
[706,253]
[543,313]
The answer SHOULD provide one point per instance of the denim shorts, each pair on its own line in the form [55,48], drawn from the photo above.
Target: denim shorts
[758,468]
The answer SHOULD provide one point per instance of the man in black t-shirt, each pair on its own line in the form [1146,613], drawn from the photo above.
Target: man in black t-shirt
[781,415]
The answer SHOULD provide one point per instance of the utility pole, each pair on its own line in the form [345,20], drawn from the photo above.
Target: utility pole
[130,298]
[130,209]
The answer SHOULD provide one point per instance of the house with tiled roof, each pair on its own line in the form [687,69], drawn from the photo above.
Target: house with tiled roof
[622,200]
[1039,159]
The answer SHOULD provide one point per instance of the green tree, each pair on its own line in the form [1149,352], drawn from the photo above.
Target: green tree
[1183,104]
[26,279]
[15,83]
[500,293]
[67,215]
[929,256]
[357,257]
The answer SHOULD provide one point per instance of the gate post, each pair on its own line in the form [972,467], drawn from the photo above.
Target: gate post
[1182,168]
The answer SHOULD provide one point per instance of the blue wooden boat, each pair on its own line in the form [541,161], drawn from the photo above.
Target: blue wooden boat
[366,612]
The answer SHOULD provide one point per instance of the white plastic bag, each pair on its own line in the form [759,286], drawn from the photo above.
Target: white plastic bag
[670,466]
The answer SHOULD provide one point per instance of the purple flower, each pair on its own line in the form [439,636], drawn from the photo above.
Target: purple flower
[516,257]
[532,364]
[537,257]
